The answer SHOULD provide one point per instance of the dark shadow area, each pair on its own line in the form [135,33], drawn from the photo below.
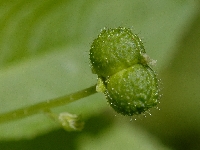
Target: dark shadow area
[61,139]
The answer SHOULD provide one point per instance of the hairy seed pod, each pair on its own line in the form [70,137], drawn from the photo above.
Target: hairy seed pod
[118,58]
[132,90]
[114,50]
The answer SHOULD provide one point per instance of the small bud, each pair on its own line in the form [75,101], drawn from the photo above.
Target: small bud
[71,122]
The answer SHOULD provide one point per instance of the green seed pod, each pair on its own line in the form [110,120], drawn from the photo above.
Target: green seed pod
[114,50]
[118,58]
[133,90]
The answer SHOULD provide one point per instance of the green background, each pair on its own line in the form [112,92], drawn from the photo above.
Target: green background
[44,53]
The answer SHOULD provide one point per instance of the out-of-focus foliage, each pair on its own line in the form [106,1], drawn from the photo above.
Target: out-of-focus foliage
[44,48]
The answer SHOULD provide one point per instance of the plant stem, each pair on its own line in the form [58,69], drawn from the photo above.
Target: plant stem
[41,107]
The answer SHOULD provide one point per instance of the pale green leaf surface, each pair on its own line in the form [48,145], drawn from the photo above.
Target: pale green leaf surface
[122,136]
[44,48]
[40,80]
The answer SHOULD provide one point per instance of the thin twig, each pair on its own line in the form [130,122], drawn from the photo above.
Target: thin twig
[40,107]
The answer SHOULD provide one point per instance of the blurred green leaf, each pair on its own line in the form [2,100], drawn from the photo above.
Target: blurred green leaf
[179,117]
[44,49]
[121,136]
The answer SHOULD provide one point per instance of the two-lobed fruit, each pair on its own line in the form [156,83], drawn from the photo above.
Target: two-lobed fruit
[130,85]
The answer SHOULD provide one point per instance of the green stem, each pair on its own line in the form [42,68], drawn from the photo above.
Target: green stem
[40,107]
